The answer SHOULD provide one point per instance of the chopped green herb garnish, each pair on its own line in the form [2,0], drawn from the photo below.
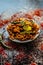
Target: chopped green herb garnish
[26,32]
[32,21]
[14,22]
[22,23]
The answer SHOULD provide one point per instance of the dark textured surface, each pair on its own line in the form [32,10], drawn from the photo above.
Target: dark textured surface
[23,54]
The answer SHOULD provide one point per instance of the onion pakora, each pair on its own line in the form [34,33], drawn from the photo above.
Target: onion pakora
[22,29]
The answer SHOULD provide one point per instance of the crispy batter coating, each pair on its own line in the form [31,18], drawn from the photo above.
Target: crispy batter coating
[17,30]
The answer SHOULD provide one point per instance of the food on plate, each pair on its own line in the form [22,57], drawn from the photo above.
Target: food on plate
[22,29]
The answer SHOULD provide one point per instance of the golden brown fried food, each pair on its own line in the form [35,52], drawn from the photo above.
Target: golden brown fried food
[22,29]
